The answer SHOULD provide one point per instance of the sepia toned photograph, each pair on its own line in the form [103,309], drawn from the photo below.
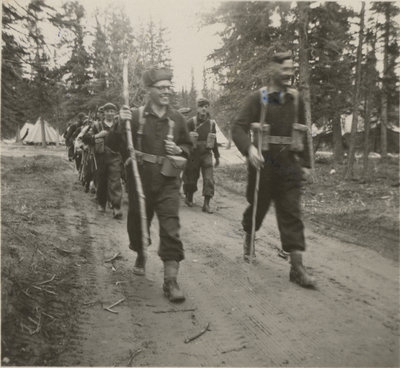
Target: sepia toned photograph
[200,183]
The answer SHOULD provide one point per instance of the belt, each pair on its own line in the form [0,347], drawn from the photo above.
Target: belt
[147,157]
[274,139]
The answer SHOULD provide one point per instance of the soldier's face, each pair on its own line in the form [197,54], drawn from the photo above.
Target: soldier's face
[284,73]
[203,110]
[160,92]
[109,114]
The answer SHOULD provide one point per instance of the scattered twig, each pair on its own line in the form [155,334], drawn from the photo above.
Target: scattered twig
[120,282]
[234,349]
[189,339]
[43,289]
[47,281]
[133,354]
[115,256]
[63,250]
[175,310]
[113,267]
[90,303]
[49,315]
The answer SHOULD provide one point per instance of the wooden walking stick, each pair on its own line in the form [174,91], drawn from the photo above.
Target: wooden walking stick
[264,101]
[135,170]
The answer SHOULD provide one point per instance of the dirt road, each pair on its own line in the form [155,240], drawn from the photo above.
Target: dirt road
[256,317]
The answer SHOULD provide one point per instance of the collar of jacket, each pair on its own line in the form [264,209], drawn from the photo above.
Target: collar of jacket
[201,121]
[149,111]
[281,96]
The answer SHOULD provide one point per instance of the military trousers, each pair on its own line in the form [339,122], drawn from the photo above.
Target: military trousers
[282,184]
[161,198]
[108,179]
[199,160]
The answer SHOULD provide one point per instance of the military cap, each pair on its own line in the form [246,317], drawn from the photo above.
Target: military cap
[109,106]
[154,75]
[280,57]
[82,116]
[202,102]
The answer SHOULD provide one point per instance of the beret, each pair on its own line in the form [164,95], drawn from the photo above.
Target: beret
[109,106]
[202,101]
[280,57]
[154,75]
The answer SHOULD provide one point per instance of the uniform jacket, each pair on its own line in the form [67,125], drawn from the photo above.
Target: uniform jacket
[280,115]
[203,127]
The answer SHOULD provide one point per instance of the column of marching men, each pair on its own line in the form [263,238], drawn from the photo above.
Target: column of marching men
[171,152]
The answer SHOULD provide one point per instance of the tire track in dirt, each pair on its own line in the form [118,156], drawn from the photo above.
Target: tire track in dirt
[347,320]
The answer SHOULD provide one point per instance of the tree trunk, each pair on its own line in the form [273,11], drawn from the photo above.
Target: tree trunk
[371,84]
[366,134]
[384,103]
[305,72]
[356,99]
[337,141]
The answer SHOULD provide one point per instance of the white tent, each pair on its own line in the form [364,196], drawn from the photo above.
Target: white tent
[26,128]
[221,139]
[35,134]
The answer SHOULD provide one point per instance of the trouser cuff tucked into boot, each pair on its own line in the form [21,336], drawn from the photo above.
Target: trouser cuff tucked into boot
[189,199]
[140,264]
[171,288]
[206,205]
[298,273]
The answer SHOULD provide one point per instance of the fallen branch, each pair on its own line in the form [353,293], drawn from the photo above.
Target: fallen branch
[175,310]
[234,349]
[115,256]
[189,339]
[133,354]
[47,281]
[116,303]
[113,305]
[120,282]
[110,310]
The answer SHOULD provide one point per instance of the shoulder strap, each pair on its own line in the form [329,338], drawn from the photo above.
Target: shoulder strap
[98,126]
[295,93]
[264,103]
[213,125]
[142,119]
[171,125]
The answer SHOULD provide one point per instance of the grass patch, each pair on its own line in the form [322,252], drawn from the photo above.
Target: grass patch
[35,317]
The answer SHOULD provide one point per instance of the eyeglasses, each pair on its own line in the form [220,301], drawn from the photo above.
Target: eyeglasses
[163,88]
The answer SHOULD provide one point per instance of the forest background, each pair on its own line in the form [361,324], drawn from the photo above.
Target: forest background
[347,62]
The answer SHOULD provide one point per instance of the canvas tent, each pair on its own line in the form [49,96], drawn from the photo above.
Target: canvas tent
[34,135]
[27,127]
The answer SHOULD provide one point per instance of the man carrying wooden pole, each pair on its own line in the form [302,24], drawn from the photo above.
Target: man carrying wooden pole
[162,145]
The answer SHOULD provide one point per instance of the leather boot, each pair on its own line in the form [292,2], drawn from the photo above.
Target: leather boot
[298,273]
[101,208]
[117,213]
[139,267]
[246,248]
[206,205]
[189,199]
[171,287]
